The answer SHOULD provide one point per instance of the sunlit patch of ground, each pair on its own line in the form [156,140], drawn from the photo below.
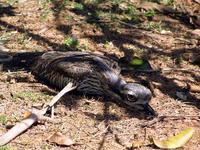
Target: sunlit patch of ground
[96,124]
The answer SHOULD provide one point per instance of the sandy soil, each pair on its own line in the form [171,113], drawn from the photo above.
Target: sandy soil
[95,123]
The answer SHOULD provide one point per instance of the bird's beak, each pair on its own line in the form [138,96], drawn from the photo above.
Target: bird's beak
[149,110]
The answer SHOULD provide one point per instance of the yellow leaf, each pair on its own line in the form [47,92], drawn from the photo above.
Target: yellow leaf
[176,141]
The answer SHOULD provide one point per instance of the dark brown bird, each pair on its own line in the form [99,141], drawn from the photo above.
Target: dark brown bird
[92,74]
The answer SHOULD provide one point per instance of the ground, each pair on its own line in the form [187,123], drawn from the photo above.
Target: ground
[166,35]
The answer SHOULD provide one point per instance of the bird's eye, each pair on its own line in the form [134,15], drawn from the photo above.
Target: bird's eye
[131,98]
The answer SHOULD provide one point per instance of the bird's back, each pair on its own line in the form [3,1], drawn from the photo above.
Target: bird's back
[60,68]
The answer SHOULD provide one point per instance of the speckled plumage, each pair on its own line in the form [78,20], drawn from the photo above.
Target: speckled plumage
[92,73]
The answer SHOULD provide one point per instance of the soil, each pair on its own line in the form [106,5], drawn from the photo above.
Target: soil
[93,123]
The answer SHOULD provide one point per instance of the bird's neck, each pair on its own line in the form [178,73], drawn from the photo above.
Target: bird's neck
[118,86]
[114,81]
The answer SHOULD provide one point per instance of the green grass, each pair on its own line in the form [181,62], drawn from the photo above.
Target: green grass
[3,119]
[69,18]
[45,147]
[168,2]
[149,13]
[5,36]
[31,96]
[159,26]
[71,42]
[3,148]
[44,5]
[23,39]
[78,6]
[108,45]
[131,13]
[12,2]
[7,147]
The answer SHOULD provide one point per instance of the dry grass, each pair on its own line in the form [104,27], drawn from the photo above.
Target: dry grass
[96,124]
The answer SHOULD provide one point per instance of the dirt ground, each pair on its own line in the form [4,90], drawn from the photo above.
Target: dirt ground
[167,39]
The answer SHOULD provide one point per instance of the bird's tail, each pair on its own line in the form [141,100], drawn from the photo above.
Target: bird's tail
[20,60]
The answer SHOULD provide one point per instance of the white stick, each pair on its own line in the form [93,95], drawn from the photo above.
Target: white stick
[18,129]
[34,117]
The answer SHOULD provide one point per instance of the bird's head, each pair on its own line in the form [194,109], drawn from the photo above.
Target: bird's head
[137,96]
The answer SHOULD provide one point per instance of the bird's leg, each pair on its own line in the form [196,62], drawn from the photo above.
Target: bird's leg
[50,105]
[52,112]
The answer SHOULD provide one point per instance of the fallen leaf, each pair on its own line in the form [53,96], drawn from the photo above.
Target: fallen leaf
[136,61]
[60,139]
[176,141]
[27,114]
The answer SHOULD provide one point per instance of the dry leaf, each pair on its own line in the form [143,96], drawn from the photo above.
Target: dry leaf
[176,141]
[26,114]
[60,139]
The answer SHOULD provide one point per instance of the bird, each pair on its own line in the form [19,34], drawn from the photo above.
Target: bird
[92,74]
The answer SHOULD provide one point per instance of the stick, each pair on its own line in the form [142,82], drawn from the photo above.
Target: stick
[162,118]
[35,116]
[18,129]
[159,70]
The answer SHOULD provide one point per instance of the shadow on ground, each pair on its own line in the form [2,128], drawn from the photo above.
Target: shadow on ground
[6,10]
[118,39]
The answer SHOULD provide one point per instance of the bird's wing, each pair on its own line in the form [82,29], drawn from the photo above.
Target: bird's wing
[67,64]
[80,58]
[75,66]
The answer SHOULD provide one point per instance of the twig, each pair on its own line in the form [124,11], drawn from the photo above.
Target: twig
[35,116]
[177,69]
[100,133]
[162,118]
[159,70]
[18,129]
[127,24]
